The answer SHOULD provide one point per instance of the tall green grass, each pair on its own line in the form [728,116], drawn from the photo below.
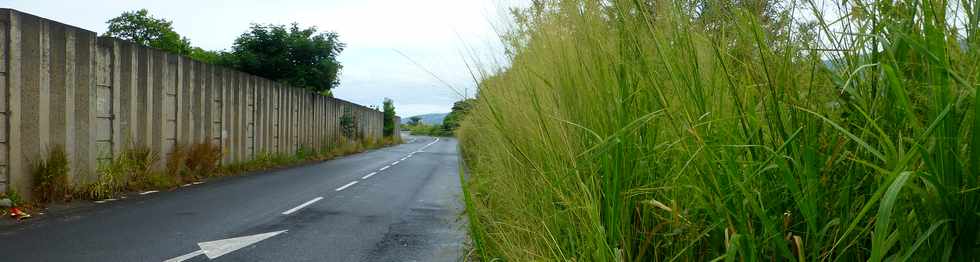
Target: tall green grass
[634,130]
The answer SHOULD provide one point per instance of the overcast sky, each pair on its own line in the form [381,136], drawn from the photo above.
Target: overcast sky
[441,36]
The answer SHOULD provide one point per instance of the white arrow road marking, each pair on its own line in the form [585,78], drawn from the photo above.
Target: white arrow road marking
[346,186]
[297,208]
[186,256]
[369,175]
[217,248]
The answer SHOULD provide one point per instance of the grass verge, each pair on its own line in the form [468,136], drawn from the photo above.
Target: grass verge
[730,130]
[138,168]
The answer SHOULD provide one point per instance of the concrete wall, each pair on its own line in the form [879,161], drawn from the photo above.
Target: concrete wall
[95,97]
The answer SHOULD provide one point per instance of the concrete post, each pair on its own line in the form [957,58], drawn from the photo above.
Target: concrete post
[4,111]
[185,122]
[228,122]
[250,114]
[127,94]
[207,102]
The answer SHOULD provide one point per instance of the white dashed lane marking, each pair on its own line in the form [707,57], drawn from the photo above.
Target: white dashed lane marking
[301,206]
[346,186]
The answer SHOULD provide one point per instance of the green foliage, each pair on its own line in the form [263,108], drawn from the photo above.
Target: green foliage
[51,176]
[176,161]
[133,168]
[267,160]
[303,58]
[414,121]
[389,118]
[348,124]
[429,130]
[730,130]
[207,56]
[158,180]
[460,109]
[304,153]
[136,164]
[142,28]
[15,199]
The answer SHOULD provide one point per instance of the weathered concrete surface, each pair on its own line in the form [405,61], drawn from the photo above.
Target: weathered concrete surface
[62,86]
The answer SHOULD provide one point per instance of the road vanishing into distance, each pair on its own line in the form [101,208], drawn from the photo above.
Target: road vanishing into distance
[401,203]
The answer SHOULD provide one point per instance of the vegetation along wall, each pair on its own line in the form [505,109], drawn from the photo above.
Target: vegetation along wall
[62,86]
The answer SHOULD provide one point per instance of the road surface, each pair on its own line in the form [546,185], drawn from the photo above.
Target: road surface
[400,203]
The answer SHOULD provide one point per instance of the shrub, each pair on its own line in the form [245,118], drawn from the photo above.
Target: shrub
[132,169]
[161,180]
[303,153]
[176,161]
[388,118]
[430,130]
[113,178]
[15,199]
[137,163]
[348,124]
[203,159]
[51,176]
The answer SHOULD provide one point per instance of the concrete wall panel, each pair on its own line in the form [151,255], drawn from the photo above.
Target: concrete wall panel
[30,56]
[227,122]
[249,116]
[169,106]
[105,102]
[16,169]
[127,88]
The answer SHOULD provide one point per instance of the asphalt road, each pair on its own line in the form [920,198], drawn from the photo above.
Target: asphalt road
[405,211]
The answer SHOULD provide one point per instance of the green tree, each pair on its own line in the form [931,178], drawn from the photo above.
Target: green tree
[415,120]
[389,117]
[142,28]
[460,109]
[303,58]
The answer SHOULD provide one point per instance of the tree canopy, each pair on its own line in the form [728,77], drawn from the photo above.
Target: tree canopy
[415,120]
[460,109]
[142,28]
[389,117]
[300,57]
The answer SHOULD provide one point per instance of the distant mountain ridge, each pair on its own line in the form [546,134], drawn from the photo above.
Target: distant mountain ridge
[428,119]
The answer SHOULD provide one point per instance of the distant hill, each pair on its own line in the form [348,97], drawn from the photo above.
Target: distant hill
[428,119]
